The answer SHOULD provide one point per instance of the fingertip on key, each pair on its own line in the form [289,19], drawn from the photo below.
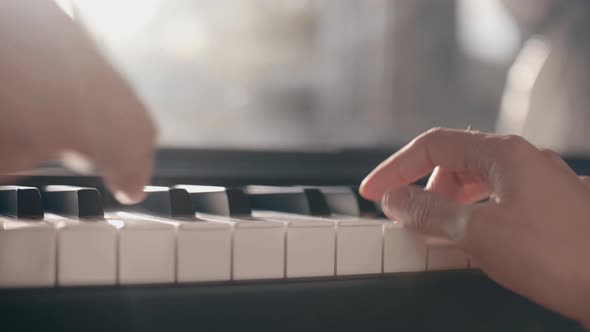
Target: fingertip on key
[126,199]
[367,189]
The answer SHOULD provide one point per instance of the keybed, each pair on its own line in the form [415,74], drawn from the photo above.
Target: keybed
[63,236]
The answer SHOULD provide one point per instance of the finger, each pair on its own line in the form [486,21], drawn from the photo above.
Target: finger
[443,182]
[451,149]
[434,214]
[127,186]
[125,156]
[10,179]
[458,188]
[128,169]
[473,193]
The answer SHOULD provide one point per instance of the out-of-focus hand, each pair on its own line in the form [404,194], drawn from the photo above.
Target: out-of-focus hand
[57,93]
[532,236]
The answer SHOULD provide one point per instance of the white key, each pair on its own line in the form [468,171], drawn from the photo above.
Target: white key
[404,250]
[147,251]
[86,251]
[443,255]
[27,253]
[258,247]
[359,243]
[359,246]
[310,244]
[204,251]
[203,248]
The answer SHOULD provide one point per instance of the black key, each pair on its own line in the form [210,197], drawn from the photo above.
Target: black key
[21,202]
[308,201]
[367,207]
[348,201]
[167,202]
[218,200]
[74,202]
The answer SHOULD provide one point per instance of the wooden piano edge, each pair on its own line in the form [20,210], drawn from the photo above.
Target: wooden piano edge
[460,300]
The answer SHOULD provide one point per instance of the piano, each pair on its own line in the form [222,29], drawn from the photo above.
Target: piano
[276,247]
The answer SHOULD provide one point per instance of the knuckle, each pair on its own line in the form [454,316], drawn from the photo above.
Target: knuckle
[547,154]
[585,180]
[435,130]
[550,154]
[515,143]
[429,135]
[484,154]
[504,147]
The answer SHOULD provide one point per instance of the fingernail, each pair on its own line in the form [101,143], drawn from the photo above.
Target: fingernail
[123,198]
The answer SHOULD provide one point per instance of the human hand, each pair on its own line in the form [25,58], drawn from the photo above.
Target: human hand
[533,234]
[58,93]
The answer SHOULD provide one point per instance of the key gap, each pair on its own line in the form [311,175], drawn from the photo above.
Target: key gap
[176,240]
[383,249]
[117,255]
[285,250]
[336,227]
[231,252]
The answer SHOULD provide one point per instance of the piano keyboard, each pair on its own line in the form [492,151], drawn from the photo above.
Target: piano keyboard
[64,236]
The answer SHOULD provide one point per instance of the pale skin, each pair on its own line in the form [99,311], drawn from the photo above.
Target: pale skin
[58,93]
[532,236]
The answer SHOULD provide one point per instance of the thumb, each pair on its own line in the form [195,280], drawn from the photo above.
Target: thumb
[428,212]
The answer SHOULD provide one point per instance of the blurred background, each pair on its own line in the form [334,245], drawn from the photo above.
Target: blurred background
[334,74]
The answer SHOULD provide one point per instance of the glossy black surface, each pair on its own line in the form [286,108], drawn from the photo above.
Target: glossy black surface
[437,301]
[223,201]
[74,202]
[239,204]
[306,201]
[167,202]
[347,201]
[366,207]
[21,202]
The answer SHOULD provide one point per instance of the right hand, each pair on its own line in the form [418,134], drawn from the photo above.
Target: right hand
[58,93]
[532,236]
